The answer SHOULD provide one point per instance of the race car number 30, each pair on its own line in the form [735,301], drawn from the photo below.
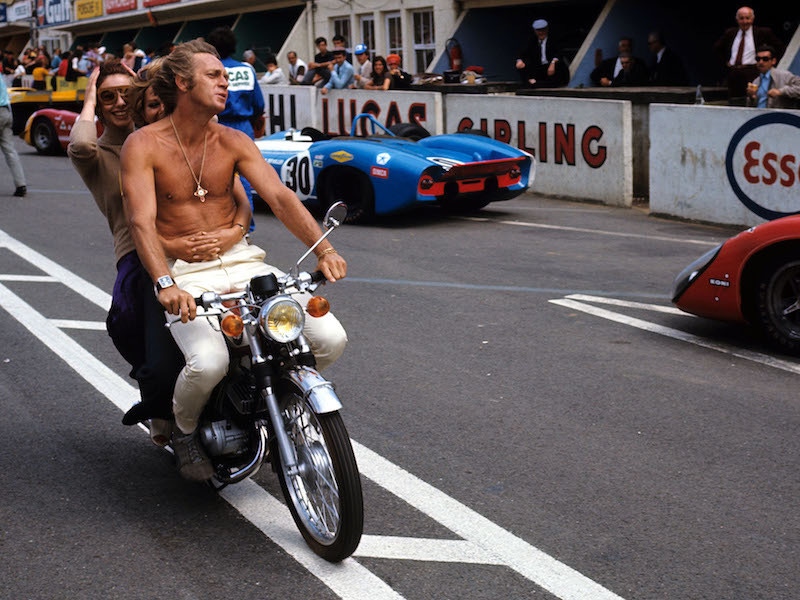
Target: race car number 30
[298,174]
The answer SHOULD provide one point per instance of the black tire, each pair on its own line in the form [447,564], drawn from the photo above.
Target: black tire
[44,137]
[325,497]
[412,131]
[351,186]
[778,303]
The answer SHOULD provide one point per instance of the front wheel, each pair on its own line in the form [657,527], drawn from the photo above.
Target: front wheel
[44,137]
[778,304]
[351,186]
[324,495]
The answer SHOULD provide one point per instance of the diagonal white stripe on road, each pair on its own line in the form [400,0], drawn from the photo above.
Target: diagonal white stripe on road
[73,324]
[423,549]
[530,562]
[30,278]
[670,310]
[764,359]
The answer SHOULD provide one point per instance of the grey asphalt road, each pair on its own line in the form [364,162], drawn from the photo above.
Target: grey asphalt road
[651,466]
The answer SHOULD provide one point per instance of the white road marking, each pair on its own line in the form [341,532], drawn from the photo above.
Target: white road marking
[31,278]
[73,324]
[593,231]
[757,357]
[483,541]
[670,310]
[502,546]
[424,549]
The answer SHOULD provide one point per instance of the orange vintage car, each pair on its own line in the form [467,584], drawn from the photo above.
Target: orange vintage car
[48,129]
[753,277]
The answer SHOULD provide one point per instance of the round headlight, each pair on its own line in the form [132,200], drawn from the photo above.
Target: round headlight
[282,319]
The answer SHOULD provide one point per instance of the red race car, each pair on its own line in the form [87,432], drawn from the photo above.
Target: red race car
[48,129]
[753,277]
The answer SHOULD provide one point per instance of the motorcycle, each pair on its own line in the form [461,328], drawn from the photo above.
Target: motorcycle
[273,406]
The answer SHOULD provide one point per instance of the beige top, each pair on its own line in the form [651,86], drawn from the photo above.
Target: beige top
[97,162]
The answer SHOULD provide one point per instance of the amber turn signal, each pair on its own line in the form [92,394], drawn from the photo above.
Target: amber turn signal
[232,326]
[318,306]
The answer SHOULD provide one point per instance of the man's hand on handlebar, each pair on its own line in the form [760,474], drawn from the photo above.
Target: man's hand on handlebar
[178,302]
[333,266]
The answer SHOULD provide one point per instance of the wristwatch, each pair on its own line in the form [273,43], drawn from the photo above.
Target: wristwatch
[164,282]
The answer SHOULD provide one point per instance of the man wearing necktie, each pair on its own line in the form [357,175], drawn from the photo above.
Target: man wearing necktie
[737,50]
[342,72]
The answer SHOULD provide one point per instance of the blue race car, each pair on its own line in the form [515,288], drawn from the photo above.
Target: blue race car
[397,169]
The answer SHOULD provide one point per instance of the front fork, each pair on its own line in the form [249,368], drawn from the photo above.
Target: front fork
[316,390]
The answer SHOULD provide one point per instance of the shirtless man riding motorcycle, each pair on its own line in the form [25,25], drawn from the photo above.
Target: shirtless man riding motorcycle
[177,179]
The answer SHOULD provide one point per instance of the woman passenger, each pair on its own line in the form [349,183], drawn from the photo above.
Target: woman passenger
[135,321]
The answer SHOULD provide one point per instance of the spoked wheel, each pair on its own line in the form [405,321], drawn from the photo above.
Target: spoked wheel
[352,187]
[778,304]
[324,495]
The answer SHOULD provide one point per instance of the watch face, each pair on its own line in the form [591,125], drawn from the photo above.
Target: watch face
[165,281]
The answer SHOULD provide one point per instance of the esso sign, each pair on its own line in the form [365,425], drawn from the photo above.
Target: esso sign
[763,164]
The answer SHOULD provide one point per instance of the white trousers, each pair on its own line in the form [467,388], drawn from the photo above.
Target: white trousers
[204,346]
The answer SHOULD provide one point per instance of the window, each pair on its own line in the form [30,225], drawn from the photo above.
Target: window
[394,35]
[424,40]
[367,34]
[341,26]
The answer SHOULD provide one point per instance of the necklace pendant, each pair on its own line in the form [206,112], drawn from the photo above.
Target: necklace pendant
[201,193]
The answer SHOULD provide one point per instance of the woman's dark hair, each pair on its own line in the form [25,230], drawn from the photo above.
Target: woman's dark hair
[380,59]
[111,67]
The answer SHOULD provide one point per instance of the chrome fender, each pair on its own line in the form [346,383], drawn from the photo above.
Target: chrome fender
[315,388]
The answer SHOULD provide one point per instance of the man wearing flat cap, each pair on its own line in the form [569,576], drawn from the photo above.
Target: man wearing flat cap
[540,64]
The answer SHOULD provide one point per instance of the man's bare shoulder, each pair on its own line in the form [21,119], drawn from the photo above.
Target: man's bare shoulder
[148,133]
[229,135]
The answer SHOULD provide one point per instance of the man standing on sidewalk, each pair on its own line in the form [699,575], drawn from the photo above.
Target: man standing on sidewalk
[7,141]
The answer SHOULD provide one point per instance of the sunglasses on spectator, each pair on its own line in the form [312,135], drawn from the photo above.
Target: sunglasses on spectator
[109,96]
[764,58]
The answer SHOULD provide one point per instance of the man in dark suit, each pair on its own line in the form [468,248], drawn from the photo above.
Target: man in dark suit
[667,67]
[633,72]
[606,71]
[736,49]
[540,63]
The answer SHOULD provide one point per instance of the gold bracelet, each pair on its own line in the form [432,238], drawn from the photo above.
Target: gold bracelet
[330,250]
[240,226]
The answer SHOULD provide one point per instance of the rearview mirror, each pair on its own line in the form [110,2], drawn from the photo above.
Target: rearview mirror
[335,215]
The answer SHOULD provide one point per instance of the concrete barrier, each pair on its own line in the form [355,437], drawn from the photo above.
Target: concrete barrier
[736,166]
[298,106]
[583,147]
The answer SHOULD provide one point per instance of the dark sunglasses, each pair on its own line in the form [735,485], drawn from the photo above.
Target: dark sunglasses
[763,58]
[110,95]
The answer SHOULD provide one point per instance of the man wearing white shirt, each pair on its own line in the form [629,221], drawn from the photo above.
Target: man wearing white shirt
[297,68]
[274,74]
[364,68]
[736,49]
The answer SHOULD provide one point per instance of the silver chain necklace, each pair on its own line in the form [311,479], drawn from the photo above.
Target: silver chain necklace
[200,192]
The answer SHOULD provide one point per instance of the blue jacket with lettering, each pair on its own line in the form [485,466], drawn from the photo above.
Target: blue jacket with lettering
[245,100]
